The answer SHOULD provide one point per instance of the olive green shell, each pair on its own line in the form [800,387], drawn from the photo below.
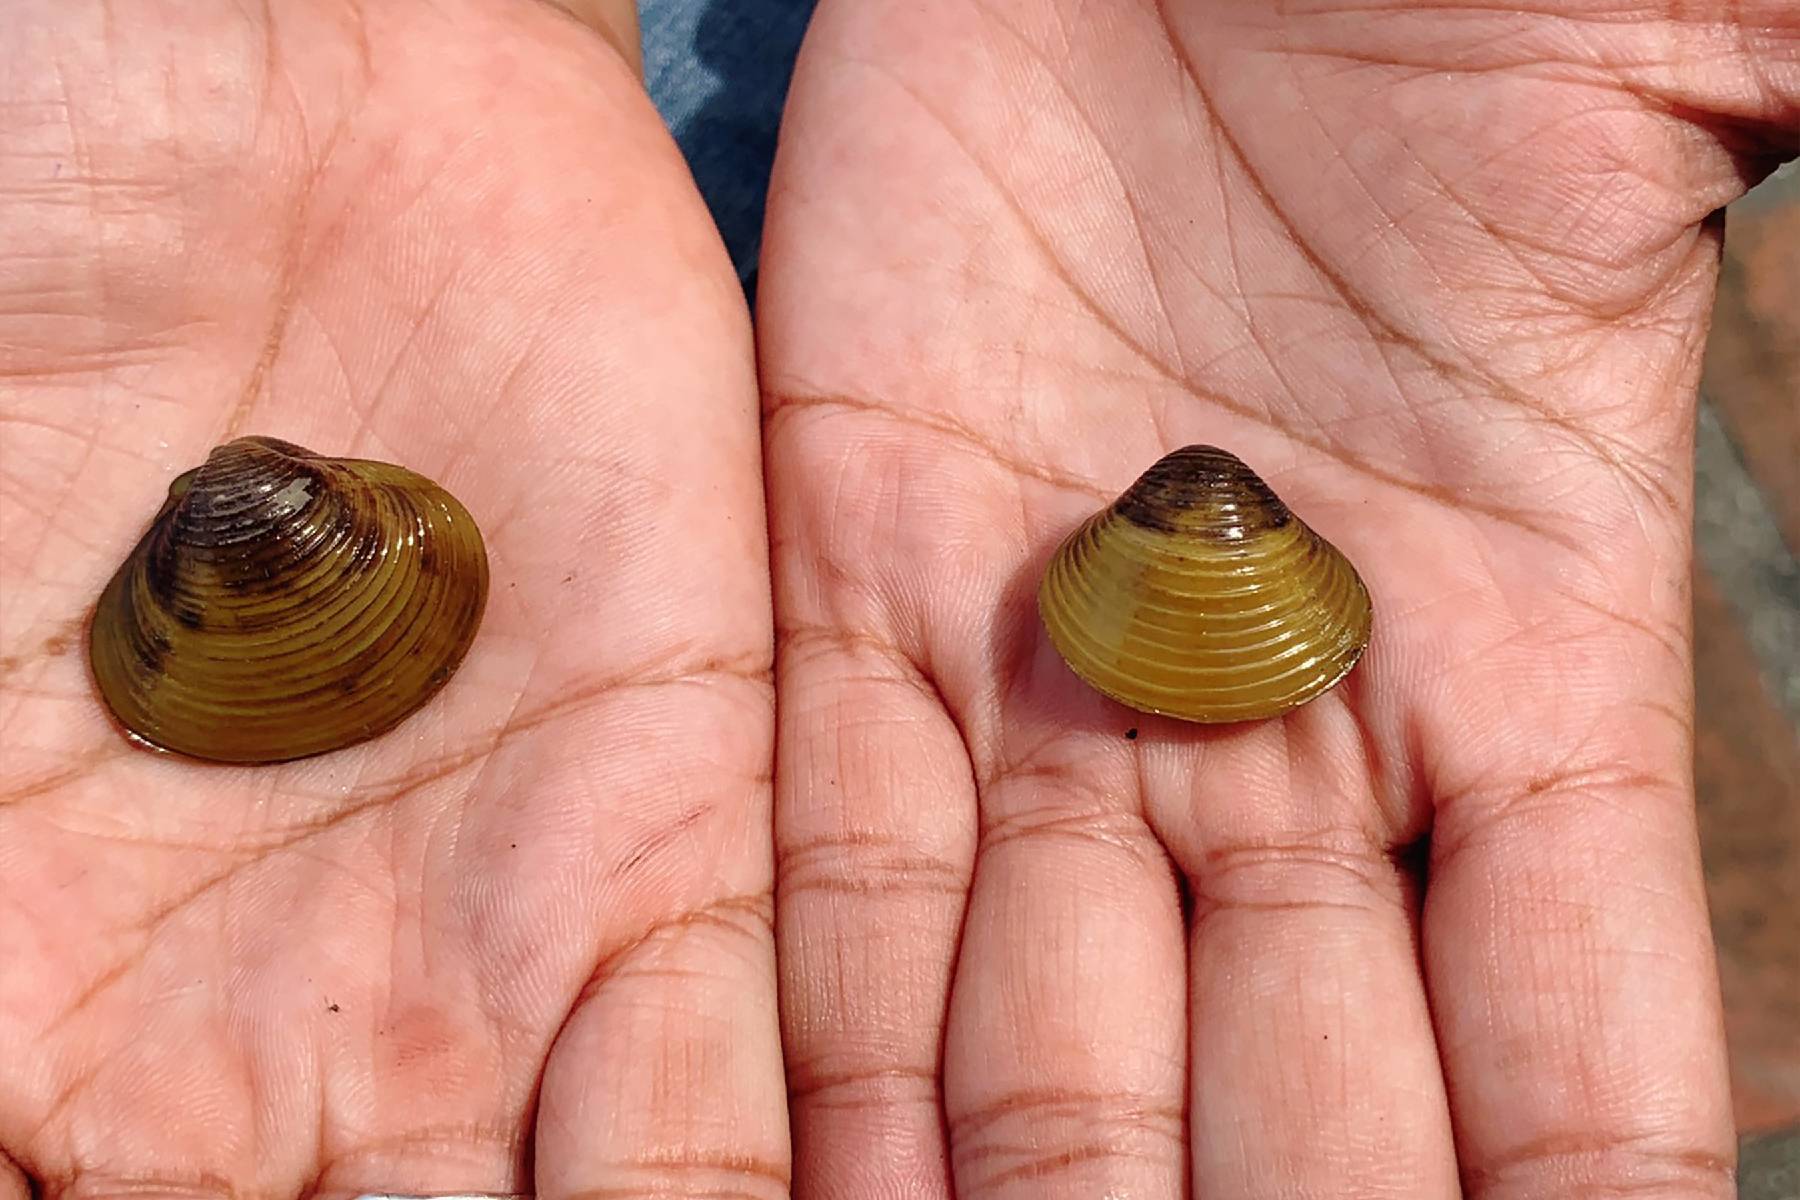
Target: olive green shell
[283,604]
[1197,594]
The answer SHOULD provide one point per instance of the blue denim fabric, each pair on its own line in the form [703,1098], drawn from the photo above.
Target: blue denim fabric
[718,72]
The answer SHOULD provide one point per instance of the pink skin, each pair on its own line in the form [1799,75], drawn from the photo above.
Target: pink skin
[1440,273]
[1441,276]
[524,941]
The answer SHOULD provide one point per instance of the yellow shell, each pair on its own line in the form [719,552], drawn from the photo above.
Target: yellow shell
[1197,594]
[283,604]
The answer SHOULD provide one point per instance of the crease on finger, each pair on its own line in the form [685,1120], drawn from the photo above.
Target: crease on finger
[78,1183]
[1315,1071]
[666,1079]
[1575,991]
[1080,1089]
[871,902]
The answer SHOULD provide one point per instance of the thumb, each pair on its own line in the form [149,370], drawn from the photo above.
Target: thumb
[614,20]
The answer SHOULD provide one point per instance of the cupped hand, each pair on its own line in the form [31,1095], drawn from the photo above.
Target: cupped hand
[1440,274]
[521,942]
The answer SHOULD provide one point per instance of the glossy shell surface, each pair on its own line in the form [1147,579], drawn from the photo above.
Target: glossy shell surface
[283,604]
[1197,594]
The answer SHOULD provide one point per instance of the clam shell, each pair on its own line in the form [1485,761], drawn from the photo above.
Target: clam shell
[284,604]
[1197,594]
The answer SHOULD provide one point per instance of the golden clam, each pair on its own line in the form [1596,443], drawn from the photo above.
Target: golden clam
[1197,594]
[284,604]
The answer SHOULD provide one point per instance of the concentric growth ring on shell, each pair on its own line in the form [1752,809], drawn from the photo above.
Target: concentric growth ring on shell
[1199,595]
[283,604]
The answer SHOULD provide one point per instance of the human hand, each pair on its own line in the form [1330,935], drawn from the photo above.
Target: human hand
[521,942]
[1441,275]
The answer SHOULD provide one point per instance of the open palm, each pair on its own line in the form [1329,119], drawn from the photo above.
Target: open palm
[1440,275]
[522,941]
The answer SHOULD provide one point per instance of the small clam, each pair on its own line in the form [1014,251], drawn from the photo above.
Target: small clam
[283,604]
[1198,595]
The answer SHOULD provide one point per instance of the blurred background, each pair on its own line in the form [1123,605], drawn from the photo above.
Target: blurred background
[1747,668]
[718,70]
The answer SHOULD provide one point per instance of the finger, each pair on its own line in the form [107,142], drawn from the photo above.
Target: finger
[614,20]
[1571,971]
[1748,92]
[1065,1064]
[13,1185]
[875,841]
[1315,1069]
[667,1079]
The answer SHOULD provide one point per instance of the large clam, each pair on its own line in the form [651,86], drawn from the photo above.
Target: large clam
[283,604]
[1197,594]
